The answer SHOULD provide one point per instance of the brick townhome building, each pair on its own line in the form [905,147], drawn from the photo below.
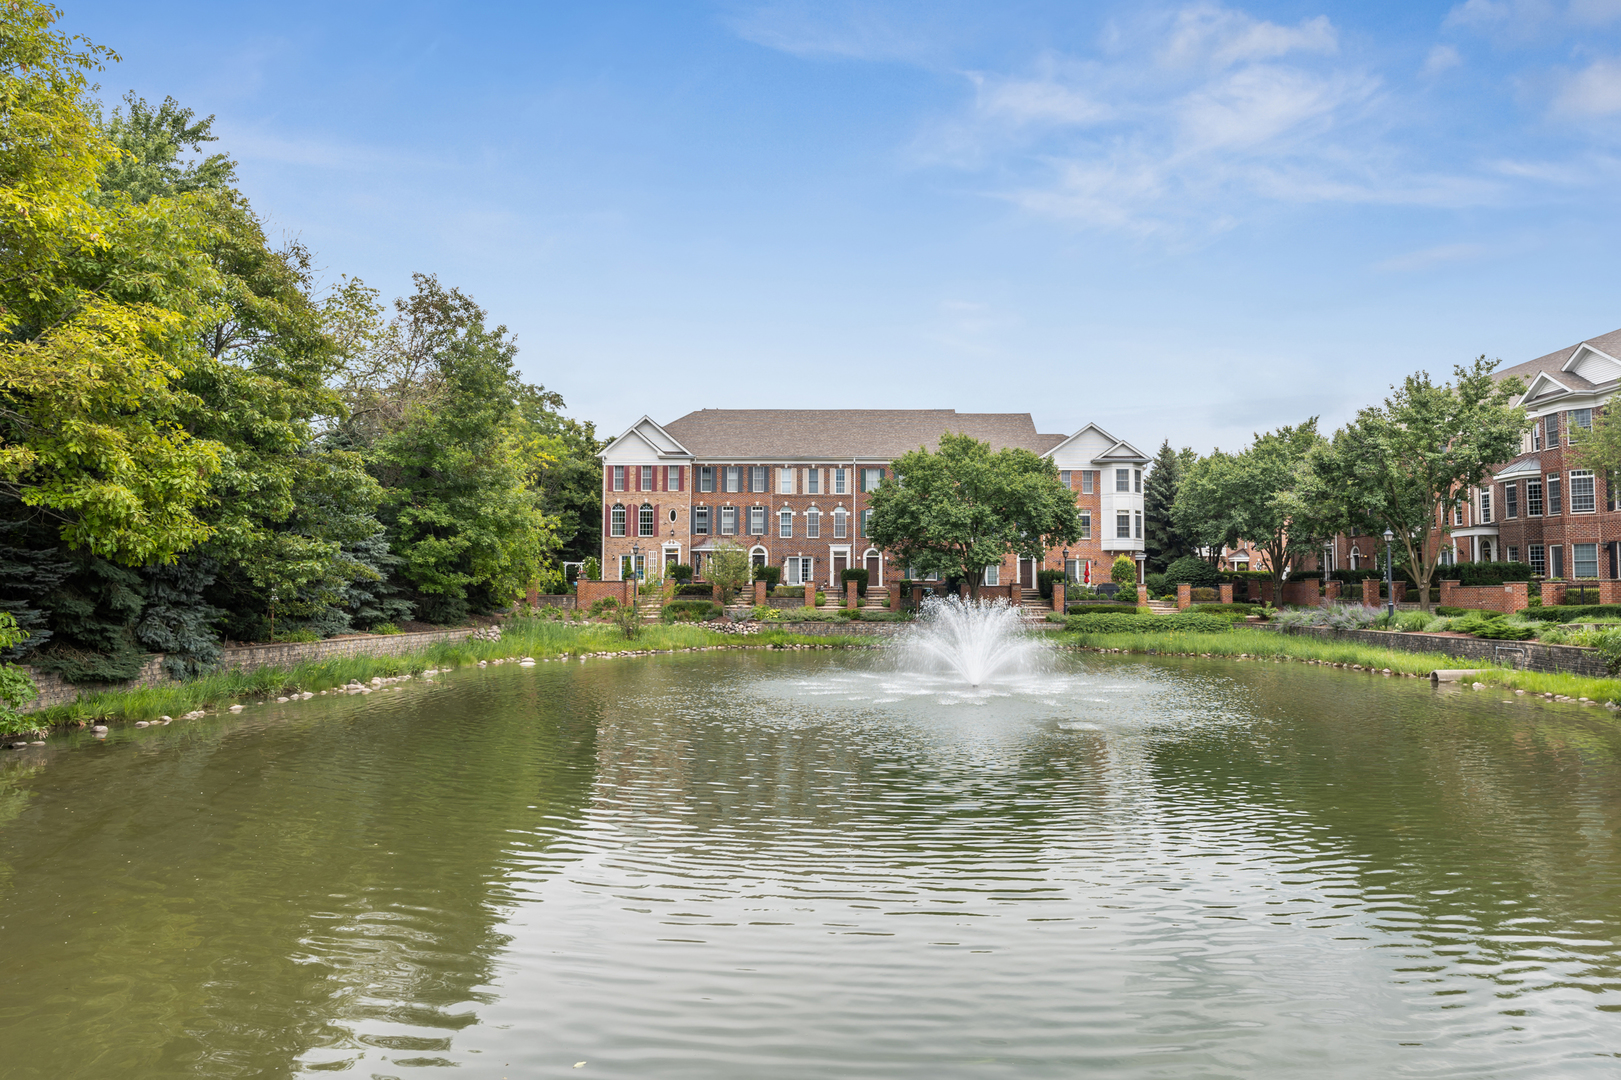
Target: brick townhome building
[1541,507]
[791,485]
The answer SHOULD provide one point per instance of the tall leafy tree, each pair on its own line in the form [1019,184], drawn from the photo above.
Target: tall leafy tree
[447,443]
[1162,541]
[102,304]
[1258,495]
[1409,463]
[962,508]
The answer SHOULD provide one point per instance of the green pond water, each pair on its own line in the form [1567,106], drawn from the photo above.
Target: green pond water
[759,865]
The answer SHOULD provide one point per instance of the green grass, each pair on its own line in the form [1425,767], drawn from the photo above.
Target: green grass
[538,638]
[1269,645]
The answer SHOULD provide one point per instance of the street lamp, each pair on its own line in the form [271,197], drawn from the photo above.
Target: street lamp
[1390,593]
[1328,564]
[1066,564]
[635,559]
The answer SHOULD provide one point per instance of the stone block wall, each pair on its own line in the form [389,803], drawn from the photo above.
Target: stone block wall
[1524,655]
[53,690]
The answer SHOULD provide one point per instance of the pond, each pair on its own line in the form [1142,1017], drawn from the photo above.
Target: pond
[746,865]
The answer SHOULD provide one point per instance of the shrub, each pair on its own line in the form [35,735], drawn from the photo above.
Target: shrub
[1192,570]
[591,570]
[1157,585]
[385,628]
[1412,621]
[765,613]
[681,572]
[1044,582]
[603,605]
[1148,624]
[1337,616]
[1100,609]
[789,590]
[768,574]
[1124,570]
[1230,610]
[859,576]
[628,620]
[1487,573]
[1205,596]
[1573,612]
[695,590]
[691,611]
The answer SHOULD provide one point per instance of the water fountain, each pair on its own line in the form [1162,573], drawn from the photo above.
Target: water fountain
[979,641]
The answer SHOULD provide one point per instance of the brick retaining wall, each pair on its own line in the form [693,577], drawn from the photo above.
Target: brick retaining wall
[1524,655]
[53,690]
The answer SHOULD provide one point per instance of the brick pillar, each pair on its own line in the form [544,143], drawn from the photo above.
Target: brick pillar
[1398,591]
[850,594]
[1518,595]
[534,597]
[759,593]
[1370,592]
[1609,592]
[1142,594]
[1226,592]
[810,594]
[1184,596]
[1058,596]
[1448,598]
[1553,593]
[1331,590]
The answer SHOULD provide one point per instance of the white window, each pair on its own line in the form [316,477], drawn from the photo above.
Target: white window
[619,478]
[1582,499]
[1585,560]
[813,523]
[1063,477]
[757,478]
[1072,570]
[644,521]
[1486,507]
[647,478]
[1554,505]
[1580,418]
[728,521]
[672,478]
[1122,479]
[785,481]
[1536,435]
[756,521]
[1137,481]
[1513,554]
[1511,501]
[813,481]
[841,523]
[1088,481]
[700,520]
[870,479]
[1533,498]
[706,478]
[785,523]
[798,571]
[993,575]
[1457,514]
[734,478]
[839,482]
[1122,526]
[1538,559]
[1086,524]
[616,519]
[1139,518]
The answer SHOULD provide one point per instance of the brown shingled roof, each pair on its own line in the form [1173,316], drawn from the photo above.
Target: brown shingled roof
[1609,344]
[844,434]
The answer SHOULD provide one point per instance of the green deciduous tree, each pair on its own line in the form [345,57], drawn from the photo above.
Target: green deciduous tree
[963,508]
[1258,495]
[728,568]
[1408,464]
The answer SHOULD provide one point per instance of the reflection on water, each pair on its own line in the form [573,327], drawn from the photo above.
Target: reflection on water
[803,865]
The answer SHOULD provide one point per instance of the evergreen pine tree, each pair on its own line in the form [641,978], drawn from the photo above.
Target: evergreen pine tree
[31,565]
[1161,540]
[176,620]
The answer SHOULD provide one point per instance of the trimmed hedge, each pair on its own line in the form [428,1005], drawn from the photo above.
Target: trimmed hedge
[691,611]
[1044,582]
[1573,612]
[1101,609]
[1486,573]
[1231,610]
[1191,570]
[695,590]
[1148,624]
[857,574]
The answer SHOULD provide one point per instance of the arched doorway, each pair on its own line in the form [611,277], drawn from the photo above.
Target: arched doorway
[875,568]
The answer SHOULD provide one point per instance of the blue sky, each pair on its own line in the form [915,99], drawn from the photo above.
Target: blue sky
[1187,221]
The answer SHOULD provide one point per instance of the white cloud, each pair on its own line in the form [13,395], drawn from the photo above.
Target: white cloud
[1441,58]
[856,31]
[1208,34]
[1041,100]
[1594,91]
[1428,257]
[1259,104]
